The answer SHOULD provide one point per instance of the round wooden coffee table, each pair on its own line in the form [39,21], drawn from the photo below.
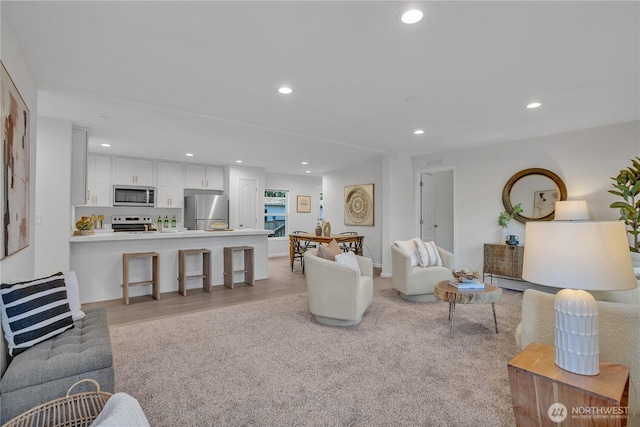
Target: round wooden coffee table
[453,295]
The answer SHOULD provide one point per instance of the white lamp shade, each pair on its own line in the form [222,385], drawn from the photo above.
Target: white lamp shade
[571,210]
[582,255]
[588,255]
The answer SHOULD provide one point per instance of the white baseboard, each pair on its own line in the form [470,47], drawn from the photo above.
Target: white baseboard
[386,275]
[278,255]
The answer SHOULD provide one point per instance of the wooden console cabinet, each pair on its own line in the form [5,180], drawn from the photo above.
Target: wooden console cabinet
[545,395]
[503,260]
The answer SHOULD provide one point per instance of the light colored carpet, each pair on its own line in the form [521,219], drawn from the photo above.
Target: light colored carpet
[268,363]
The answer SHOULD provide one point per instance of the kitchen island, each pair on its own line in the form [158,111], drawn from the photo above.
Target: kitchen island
[97,259]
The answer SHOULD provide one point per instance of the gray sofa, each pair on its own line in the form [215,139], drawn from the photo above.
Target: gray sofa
[46,371]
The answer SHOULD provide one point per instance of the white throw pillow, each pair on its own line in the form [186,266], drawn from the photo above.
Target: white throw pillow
[408,247]
[121,410]
[73,294]
[348,258]
[428,254]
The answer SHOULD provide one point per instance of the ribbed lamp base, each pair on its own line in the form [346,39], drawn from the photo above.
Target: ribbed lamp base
[576,332]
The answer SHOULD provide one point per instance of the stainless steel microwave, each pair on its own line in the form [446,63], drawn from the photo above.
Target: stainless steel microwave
[133,195]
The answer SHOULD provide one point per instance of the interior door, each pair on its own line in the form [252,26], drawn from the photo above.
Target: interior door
[437,208]
[248,203]
[428,211]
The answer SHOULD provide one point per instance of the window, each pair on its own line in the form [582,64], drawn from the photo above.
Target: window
[275,212]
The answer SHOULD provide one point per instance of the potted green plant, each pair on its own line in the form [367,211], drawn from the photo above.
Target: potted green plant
[505,217]
[627,186]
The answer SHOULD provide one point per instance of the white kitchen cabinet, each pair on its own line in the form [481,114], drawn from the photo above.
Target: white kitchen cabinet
[169,185]
[133,171]
[98,180]
[204,177]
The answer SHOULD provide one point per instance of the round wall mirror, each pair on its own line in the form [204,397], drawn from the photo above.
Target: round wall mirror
[537,190]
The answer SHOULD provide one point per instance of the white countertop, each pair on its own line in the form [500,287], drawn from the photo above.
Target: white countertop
[146,235]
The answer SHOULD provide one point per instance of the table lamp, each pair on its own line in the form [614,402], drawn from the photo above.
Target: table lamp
[571,210]
[580,256]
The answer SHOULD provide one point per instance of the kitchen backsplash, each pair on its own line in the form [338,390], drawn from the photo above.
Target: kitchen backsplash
[108,212]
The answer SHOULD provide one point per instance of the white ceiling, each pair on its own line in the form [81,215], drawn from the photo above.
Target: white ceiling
[202,77]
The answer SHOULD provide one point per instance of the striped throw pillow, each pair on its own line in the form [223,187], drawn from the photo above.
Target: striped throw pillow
[428,254]
[34,311]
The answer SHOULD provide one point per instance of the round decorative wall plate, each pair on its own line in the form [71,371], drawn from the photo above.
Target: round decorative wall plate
[358,205]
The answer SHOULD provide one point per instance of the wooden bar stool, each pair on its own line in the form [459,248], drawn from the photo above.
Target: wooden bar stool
[247,268]
[182,271]
[155,274]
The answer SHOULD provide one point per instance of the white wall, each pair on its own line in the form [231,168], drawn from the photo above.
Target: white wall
[333,184]
[53,197]
[585,160]
[297,186]
[20,264]
[399,207]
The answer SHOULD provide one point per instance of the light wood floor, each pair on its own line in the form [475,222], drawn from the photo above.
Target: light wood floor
[281,282]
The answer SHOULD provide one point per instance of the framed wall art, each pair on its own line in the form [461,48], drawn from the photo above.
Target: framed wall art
[358,204]
[304,204]
[15,159]
[544,202]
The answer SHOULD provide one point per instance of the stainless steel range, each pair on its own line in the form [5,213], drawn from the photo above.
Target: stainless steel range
[120,223]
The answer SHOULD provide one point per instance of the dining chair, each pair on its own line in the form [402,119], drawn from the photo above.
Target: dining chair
[350,246]
[299,248]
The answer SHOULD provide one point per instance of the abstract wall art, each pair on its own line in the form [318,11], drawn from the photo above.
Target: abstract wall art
[15,160]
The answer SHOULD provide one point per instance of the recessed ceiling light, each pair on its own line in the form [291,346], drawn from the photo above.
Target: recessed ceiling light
[534,105]
[418,132]
[285,90]
[105,145]
[189,154]
[411,16]
[308,171]
[238,161]
[304,163]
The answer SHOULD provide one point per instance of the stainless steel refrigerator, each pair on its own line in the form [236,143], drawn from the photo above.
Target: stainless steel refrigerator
[201,211]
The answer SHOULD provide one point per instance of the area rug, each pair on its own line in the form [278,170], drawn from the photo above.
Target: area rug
[268,363]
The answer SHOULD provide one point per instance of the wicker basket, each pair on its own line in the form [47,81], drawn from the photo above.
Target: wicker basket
[73,410]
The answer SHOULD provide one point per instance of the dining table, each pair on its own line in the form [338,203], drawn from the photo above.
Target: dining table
[356,239]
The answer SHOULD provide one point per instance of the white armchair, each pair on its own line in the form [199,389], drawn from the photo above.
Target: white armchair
[618,333]
[416,283]
[338,294]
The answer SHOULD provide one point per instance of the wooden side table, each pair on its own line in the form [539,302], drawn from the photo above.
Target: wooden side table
[545,395]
